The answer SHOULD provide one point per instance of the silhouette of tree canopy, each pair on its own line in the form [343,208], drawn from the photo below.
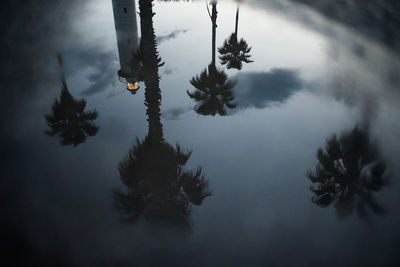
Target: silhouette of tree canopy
[213,92]
[348,172]
[69,120]
[159,188]
[234,51]
[213,88]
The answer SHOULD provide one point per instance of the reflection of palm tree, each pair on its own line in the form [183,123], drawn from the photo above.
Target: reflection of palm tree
[159,188]
[150,69]
[136,63]
[235,51]
[213,88]
[69,120]
[214,92]
[213,17]
[348,171]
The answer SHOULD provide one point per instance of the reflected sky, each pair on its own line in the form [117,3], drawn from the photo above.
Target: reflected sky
[312,77]
[262,89]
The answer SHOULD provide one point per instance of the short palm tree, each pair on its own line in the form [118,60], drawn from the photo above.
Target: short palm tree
[213,92]
[234,51]
[69,120]
[349,170]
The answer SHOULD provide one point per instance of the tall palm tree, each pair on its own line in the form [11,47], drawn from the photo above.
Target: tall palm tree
[150,68]
[213,17]
[69,120]
[213,88]
[159,187]
[234,51]
[349,170]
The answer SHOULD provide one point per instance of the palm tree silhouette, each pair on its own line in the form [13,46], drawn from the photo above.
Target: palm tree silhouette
[214,92]
[349,170]
[69,120]
[159,187]
[234,51]
[213,88]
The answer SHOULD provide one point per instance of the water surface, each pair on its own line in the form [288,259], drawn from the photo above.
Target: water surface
[310,82]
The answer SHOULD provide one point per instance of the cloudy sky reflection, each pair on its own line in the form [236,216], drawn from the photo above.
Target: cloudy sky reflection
[312,77]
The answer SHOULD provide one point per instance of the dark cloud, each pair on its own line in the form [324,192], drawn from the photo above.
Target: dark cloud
[169,71]
[175,113]
[29,44]
[375,19]
[261,89]
[104,73]
[172,35]
[30,40]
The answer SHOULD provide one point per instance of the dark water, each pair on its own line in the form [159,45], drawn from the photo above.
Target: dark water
[280,150]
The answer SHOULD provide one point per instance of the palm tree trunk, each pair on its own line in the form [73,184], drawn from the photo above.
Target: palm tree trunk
[214,30]
[237,21]
[151,78]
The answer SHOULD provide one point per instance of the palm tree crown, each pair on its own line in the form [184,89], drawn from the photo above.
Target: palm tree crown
[159,187]
[349,170]
[213,92]
[69,120]
[233,52]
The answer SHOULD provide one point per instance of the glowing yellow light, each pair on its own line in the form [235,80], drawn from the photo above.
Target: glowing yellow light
[133,86]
